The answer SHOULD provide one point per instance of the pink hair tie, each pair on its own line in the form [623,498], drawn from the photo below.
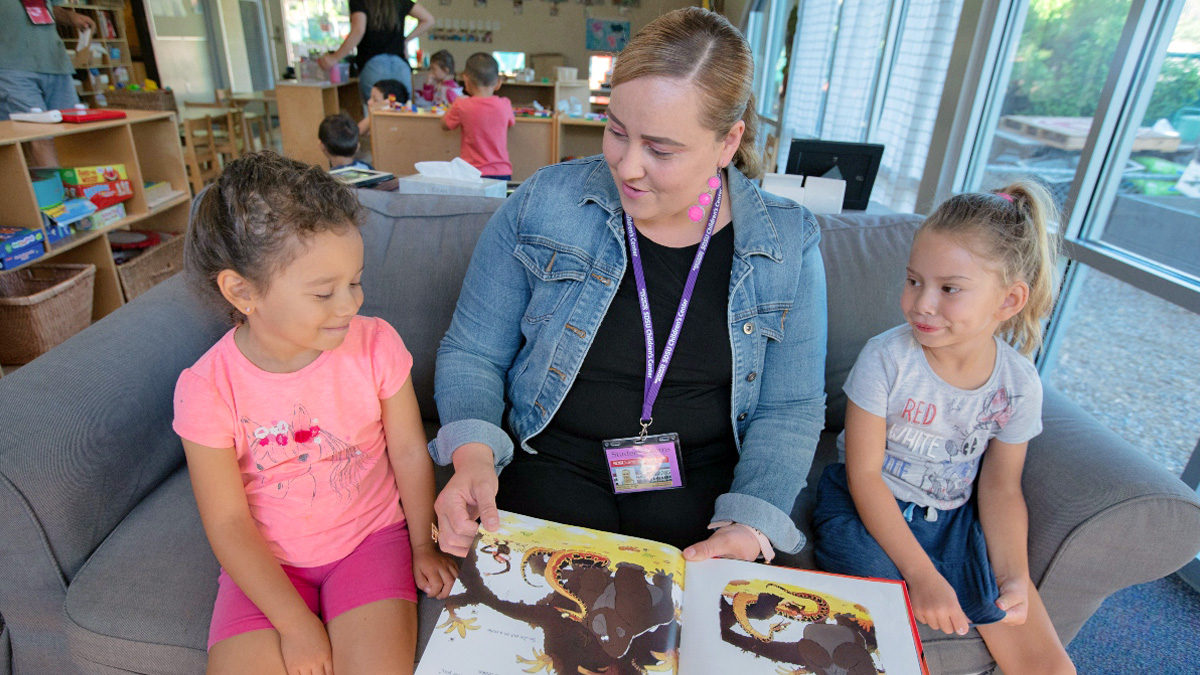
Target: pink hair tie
[1005,195]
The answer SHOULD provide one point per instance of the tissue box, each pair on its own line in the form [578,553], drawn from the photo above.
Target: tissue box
[419,184]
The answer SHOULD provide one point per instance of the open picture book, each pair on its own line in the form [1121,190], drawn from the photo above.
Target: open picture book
[540,597]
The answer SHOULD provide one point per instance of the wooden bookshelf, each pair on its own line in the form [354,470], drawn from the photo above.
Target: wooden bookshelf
[146,142]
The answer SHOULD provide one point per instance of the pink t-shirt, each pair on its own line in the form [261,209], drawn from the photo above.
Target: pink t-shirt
[310,444]
[485,122]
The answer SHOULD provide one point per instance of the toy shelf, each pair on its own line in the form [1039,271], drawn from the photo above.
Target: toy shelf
[112,16]
[146,142]
[579,137]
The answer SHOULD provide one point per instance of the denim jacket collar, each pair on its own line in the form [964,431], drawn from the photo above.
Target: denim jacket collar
[755,232]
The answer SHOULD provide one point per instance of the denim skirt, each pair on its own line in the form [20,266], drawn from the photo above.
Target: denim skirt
[954,542]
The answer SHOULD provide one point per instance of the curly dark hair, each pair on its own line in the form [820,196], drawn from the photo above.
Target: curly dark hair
[257,217]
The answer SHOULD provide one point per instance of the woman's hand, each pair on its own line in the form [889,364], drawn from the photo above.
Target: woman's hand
[935,604]
[327,62]
[1014,599]
[433,570]
[305,647]
[730,541]
[470,494]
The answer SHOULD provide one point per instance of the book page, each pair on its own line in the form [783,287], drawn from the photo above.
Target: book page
[540,597]
[743,616]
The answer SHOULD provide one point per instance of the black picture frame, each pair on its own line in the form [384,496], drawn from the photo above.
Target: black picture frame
[858,164]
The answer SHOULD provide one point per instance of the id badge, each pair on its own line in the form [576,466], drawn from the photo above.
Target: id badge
[39,13]
[642,464]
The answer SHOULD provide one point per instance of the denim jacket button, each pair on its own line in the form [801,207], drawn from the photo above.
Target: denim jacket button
[751,376]
[748,328]
[742,417]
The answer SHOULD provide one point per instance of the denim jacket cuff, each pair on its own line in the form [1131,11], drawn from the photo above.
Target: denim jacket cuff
[455,434]
[762,516]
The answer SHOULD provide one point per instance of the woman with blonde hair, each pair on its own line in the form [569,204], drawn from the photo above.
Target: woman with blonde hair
[649,308]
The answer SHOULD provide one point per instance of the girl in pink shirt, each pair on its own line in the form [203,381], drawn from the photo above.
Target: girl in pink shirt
[302,435]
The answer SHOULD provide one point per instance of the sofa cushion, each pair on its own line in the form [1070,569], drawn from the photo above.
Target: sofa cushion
[865,258]
[143,601]
[417,249]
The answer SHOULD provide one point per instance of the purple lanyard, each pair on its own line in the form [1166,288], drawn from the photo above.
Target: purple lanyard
[654,376]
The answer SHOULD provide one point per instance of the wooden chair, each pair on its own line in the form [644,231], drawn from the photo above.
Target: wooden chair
[256,125]
[231,136]
[199,153]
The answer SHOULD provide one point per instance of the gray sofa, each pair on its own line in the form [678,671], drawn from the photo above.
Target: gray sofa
[106,568]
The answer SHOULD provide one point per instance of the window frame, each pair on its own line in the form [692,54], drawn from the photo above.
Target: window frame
[988,35]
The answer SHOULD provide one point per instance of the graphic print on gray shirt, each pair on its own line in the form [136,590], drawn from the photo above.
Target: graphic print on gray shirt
[936,432]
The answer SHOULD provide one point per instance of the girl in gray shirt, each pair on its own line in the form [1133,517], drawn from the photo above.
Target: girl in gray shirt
[914,498]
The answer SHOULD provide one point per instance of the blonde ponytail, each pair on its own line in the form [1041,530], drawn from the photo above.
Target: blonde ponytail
[1013,228]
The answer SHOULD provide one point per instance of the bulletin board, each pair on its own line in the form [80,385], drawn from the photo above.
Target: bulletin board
[607,35]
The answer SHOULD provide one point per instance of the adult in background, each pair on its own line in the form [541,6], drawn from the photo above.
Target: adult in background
[377,30]
[550,344]
[35,71]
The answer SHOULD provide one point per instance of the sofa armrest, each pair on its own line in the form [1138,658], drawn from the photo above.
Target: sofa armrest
[1102,516]
[85,430]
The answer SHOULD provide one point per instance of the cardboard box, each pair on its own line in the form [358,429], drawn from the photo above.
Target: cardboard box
[13,239]
[419,184]
[18,246]
[92,175]
[56,233]
[103,218]
[102,194]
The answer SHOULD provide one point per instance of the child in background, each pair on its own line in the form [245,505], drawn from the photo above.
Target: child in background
[926,400]
[379,100]
[339,142]
[440,87]
[302,435]
[484,118]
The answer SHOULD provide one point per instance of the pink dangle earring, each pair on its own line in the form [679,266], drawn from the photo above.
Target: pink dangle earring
[696,212]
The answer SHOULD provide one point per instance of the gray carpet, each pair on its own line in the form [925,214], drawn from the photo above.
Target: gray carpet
[1149,628]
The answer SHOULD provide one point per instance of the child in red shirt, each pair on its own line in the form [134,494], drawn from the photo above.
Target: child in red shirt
[484,118]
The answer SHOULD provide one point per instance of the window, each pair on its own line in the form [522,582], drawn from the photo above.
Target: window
[599,71]
[510,62]
[862,72]
[1100,99]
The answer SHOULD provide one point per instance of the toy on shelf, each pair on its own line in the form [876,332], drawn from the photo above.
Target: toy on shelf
[19,245]
[93,175]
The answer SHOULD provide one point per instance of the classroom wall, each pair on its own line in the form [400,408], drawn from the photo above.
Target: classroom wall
[534,31]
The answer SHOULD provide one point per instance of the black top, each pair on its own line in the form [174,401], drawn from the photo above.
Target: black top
[605,400]
[376,42]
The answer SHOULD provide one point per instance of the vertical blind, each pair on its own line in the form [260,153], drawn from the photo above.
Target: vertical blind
[841,52]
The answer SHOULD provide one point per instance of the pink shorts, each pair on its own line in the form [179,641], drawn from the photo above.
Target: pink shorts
[378,569]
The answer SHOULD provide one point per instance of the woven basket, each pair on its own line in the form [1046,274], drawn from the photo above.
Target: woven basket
[41,307]
[161,99]
[154,266]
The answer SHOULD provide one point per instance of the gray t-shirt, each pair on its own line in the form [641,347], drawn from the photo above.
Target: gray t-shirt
[936,433]
[29,47]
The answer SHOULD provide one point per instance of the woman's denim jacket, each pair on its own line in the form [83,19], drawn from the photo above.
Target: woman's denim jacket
[541,279]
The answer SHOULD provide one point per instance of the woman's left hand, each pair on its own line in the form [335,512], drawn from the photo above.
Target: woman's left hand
[326,61]
[433,570]
[730,541]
